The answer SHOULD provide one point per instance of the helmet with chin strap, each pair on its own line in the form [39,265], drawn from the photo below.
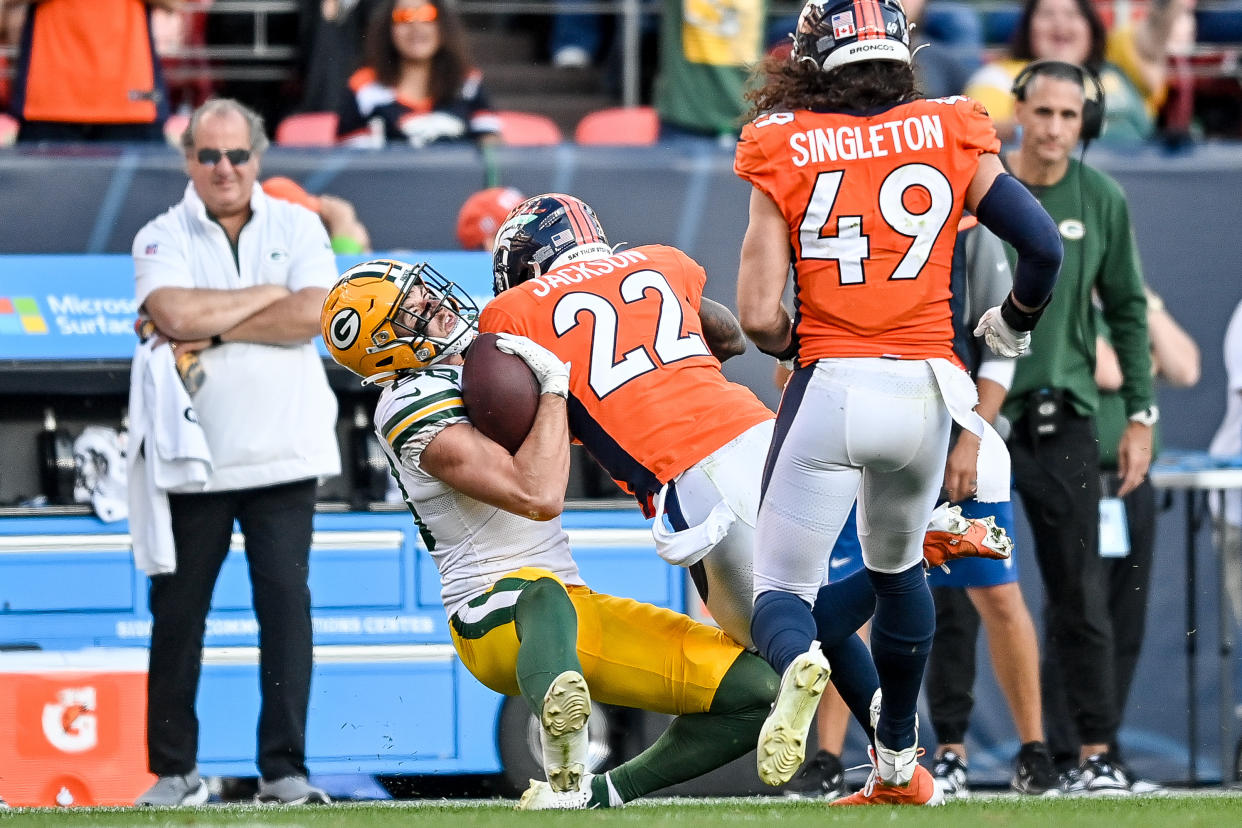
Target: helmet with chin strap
[542,233]
[369,329]
[851,31]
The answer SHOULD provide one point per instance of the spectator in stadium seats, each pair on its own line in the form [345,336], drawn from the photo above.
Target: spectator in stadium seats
[1128,557]
[88,72]
[348,234]
[707,52]
[331,32]
[521,617]
[239,278]
[576,39]
[1071,31]
[417,85]
[482,214]
[1052,402]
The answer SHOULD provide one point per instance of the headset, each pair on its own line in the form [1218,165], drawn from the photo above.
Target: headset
[1092,105]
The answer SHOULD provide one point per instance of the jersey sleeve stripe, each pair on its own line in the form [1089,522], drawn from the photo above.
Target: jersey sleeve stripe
[418,403]
[416,416]
[398,437]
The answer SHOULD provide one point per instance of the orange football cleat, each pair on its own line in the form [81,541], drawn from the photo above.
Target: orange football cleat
[921,790]
[951,536]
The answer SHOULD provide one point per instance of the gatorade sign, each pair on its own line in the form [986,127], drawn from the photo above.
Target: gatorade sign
[72,736]
[71,723]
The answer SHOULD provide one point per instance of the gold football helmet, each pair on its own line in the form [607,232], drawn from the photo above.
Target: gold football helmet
[383,317]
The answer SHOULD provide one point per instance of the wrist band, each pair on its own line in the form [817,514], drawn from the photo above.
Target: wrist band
[1020,320]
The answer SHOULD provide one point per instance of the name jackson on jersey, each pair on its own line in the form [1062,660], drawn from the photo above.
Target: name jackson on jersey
[576,272]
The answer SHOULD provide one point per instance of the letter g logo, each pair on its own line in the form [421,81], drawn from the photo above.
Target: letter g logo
[343,331]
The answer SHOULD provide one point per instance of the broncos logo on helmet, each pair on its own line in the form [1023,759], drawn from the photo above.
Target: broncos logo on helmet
[850,31]
[377,320]
[542,233]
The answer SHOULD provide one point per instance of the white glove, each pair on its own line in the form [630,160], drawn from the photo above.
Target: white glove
[1003,340]
[551,374]
[424,129]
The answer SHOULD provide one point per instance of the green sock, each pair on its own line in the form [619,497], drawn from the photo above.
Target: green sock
[700,742]
[547,630]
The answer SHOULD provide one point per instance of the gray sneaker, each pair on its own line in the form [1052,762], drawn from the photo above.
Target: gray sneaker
[291,790]
[175,791]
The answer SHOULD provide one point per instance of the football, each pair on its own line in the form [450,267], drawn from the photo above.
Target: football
[500,392]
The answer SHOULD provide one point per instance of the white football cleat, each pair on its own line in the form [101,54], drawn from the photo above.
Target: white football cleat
[563,730]
[541,797]
[782,740]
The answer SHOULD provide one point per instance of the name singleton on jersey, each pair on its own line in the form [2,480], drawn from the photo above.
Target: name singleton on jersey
[855,142]
[576,272]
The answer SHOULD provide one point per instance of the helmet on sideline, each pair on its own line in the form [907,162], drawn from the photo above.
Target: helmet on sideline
[542,233]
[368,328]
[482,214]
[851,31]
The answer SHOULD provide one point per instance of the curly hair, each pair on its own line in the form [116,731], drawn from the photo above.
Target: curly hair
[853,87]
[449,65]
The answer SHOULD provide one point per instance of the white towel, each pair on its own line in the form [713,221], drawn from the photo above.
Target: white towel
[167,451]
[689,546]
[961,397]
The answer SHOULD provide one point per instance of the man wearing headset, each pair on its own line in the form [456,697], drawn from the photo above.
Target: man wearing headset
[1054,397]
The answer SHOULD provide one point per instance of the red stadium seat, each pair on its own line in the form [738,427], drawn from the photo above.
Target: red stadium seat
[527,129]
[619,125]
[8,129]
[307,129]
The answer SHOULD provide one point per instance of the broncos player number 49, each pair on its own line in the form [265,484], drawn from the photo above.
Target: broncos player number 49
[915,200]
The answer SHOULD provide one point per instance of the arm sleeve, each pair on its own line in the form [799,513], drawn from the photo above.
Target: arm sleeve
[1120,288]
[1010,211]
[411,417]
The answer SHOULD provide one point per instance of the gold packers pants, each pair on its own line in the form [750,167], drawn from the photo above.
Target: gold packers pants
[633,654]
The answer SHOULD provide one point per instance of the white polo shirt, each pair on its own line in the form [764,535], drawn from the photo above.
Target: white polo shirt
[267,410]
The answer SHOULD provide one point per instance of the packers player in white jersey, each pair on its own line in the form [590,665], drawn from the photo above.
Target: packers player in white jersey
[521,617]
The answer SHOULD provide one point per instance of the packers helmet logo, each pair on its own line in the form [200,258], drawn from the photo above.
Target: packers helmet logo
[343,332]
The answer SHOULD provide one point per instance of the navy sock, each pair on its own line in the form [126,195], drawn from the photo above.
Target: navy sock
[842,607]
[782,628]
[854,676]
[901,636]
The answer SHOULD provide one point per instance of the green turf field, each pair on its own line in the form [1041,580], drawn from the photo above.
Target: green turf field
[1184,809]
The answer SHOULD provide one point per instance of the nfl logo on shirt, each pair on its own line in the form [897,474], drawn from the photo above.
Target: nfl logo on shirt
[843,24]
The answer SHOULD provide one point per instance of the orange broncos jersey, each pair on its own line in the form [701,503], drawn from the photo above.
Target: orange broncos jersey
[647,398]
[872,204]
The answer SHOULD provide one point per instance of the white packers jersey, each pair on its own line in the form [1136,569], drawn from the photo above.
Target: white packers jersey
[473,544]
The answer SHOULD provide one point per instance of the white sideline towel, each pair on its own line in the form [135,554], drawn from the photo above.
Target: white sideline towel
[961,396]
[691,545]
[167,451]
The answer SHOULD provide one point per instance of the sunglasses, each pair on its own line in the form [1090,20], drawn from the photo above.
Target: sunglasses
[211,157]
[418,14]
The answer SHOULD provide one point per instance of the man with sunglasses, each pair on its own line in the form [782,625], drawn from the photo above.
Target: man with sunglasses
[237,278]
